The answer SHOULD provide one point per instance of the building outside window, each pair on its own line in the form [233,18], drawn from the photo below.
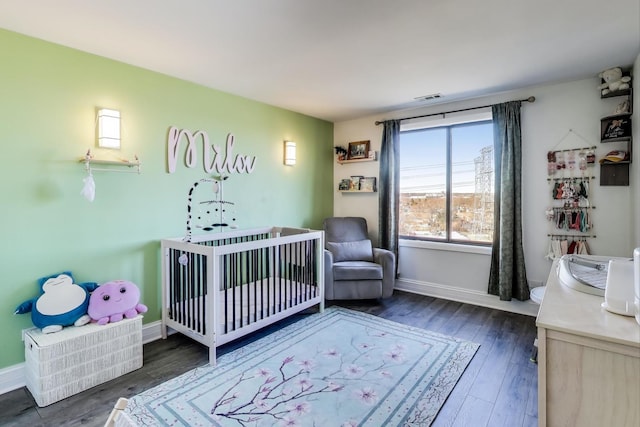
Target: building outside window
[447,181]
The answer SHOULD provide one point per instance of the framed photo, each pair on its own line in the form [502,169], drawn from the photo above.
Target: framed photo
[358,150]
[368,184]
[344,185]
[614,128]
[355,182]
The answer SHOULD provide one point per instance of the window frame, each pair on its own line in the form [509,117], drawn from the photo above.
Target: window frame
[448,125]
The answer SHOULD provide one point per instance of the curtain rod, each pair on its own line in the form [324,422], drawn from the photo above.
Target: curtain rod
[529,99]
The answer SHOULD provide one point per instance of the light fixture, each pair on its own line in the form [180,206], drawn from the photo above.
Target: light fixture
[108,128]
[289,153]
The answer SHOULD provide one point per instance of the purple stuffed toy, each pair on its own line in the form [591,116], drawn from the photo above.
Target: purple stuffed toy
[115,300]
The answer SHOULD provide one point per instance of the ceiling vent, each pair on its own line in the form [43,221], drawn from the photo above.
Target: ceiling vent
[428,97]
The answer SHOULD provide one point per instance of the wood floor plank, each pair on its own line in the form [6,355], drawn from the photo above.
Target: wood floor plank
[510,406]
[488,383]
[469,329]
[530,421]
[455,320]
[505,342]
[474,412]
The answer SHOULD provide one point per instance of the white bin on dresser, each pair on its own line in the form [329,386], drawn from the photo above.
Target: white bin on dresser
[64,363]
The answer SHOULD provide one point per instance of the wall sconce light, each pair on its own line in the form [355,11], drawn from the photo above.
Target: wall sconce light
[289,153]
[108,128]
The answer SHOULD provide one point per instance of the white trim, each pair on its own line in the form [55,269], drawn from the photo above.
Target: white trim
[443,246]
[151,332]
[467,296]
[14,377]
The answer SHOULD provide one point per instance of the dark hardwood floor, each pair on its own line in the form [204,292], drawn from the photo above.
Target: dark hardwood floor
[498,388]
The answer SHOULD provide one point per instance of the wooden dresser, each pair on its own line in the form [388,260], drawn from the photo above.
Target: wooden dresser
[588,361]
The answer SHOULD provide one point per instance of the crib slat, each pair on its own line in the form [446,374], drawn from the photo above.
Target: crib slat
[225,273]
[234,273]
[253,280]
[173,279]
[261,275]
[288,271]
[203,297]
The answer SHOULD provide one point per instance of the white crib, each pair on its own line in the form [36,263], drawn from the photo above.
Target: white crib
[221,286]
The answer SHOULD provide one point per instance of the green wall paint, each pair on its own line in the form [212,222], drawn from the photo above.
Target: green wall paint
[48,97]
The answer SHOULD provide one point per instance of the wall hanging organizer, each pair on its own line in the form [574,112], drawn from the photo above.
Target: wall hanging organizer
[570,176]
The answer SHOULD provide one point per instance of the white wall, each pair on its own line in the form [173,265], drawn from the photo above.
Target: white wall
[546,126]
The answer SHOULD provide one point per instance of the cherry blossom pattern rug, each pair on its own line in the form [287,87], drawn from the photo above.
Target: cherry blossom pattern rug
[335,368]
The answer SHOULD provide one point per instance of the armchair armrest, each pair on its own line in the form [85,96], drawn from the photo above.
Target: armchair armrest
[328,275]
[387,260]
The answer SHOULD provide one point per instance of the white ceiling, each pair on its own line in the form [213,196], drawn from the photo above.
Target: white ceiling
[343,59]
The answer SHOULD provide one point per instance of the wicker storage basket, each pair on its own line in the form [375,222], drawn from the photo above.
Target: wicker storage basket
[64,363]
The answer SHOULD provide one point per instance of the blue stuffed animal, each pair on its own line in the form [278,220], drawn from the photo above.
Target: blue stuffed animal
[61,303]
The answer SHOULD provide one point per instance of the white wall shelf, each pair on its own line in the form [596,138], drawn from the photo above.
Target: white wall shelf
[342,162]
[88,161]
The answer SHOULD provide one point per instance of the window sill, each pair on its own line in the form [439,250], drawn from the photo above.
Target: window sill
[441,246]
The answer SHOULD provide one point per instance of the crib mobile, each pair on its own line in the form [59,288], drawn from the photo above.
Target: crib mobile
[210,214]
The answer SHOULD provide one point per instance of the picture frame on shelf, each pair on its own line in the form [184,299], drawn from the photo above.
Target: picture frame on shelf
[358,150]
[615,128]
[368,184]
[355,182]
[344,184]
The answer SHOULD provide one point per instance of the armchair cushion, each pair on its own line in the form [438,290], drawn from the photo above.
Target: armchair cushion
[360,250]
[357,270]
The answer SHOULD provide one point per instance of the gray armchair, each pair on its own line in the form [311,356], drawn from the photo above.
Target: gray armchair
[353,268]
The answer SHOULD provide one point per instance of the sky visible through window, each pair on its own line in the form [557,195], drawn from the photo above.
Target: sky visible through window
[423,158]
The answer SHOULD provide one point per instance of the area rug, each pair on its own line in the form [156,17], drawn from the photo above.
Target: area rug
[336,368]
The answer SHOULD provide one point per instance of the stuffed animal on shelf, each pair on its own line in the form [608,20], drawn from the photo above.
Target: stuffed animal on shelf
[613,81]
[115,300]
[60,303]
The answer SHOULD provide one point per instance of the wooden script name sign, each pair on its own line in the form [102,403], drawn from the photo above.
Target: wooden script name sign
[214,159]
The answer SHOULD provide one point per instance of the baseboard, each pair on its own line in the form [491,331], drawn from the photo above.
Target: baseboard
[151,331]
[466,296]
[14,377]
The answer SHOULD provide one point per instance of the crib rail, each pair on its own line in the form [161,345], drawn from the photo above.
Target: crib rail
[221,286]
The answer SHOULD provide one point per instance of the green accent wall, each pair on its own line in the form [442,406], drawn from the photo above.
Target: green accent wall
[48,100]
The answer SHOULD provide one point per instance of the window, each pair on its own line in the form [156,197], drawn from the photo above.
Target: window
[447,182]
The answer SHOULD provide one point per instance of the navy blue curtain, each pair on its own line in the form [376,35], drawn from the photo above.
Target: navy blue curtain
[507,277]
[389,188]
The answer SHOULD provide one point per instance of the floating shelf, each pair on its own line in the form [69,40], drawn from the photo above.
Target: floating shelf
[366,159]
[89,161]
[342,162]
[625,92]
[357,191]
